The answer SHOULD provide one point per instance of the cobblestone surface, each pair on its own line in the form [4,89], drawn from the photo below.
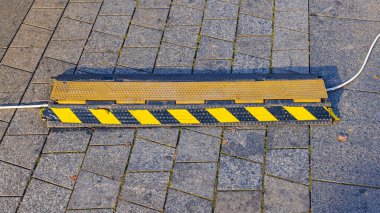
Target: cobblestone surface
[205,169]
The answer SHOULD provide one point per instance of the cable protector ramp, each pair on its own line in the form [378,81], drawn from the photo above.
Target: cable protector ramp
[187,100]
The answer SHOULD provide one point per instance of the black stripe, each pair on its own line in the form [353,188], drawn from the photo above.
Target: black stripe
[281,114]
[203,116]
[241,114]
[164,116]
[49,115]
[319,112]
[124,116]
[85,116]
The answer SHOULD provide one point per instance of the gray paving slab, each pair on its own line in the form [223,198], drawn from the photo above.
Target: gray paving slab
[290,61]
[216,9]
[90,211]
[49,3]
[69,29]
[211,48]
[97,62]
[27,121]
[59,169]
[30,36]
[150,156]
[44,18]
[143,37]
[238,201]
[284,196]
[147,189]
[3,128]
[261,8]
[13,179]
[167,136]
[182,35]
[288,39]
[354,161]
[138,58]
[245,143]
[298,21]
[251,25]
[65,50]
[94,191]
[191,3]
[154,4]
[123,206]
[221,29]
[255,46]
[151,18]
[197,147]
[115,25]
[82,11]
[182,202]
[49,68]
[180,15]
[250,64]
[118,7]
[292,164]
[67,140]
[174,55]
[288,136]
[21,150]
[23,58]
[109,161]
[101,42]
[239,174]
[9,204]
[212,66]
[173,70]
[195,178]
[291,5]
[128,70]
[344,198]
[109,136]
[37,93]
[2,52]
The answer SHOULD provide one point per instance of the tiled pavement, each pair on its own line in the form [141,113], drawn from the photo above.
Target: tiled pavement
[266,168]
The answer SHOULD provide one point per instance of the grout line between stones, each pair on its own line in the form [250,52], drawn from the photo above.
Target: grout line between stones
[199,37]
[217,171]
[236,37]
[264,170]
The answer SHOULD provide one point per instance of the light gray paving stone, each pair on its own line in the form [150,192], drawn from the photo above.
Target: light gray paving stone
[245,143]
[210,48]
[147,189]
[261,8]
[118,7]
[332,197]
[151,18]
[94,191]
[100,63]
[238,201]
[37,93]
[212,66]
[115,25]
[49,68]
[3,128]
[250,64]
[239,174]
[354,161]
[216,9]
[221,29]
[298,21]
[191,3]
[167,136]
[65,50]
[123,206]
[9,204]
[291,164]
[23,58]
[44,197]
[138,58]
[21,150]
[180,15]
[182,202]
[211,131]
[151,156]
[109,161]
[195,178]
[109,136]
[27,121]
[67,140]
[101,42]
[288,136]
[45,18]
[143,37]
[2,52]
[71,29]
[182,35]
[13,179]
[90,211]
[250,25]
[288,39]
[49,3]
[30,36]
[291,5]
[59,168]
[154,4]
[173,70]
[197,147]
[174,55]
[82,11]
[255,46]
[291,61]
[281,195]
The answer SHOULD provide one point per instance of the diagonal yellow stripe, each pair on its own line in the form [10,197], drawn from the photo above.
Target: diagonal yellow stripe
[183,116]
[300,113]
[144,117]
[105,116]
[222,115]
[261,114]
[66,115]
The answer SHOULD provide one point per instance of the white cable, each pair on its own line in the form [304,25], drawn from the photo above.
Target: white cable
[361,69]
[24,106]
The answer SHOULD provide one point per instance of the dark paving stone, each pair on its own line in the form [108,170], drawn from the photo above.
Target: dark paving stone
[180,15]
[284,196]
[173,70]
[291,5]
[250,25]
[65,50]
[21,150]
[216,9]
[191,3]
[154,4]
[143,37]
[97,63]
[292,164]
[109,136]
[288,136]
[197,147]
[255,46]
[238,174]
[45,18]
[212,66]
[182,202]
[147,189]
[130,207]
[291,61]
[293,20]
[250,64]
[174,55]
[221,29]
[9,204]
[27,121]
[195,178]
[37,93]
[101,42]
[30,36]
[152,18]
[245,143]
[44,197]
[288,39]
[71,29]
[167,136]
[59,168]
[13,180]
[138,58]
[238,201]
[354,161]
[109,161]
[150,156]
[182,35]
[67,140]
[331,197]
[23,58]
[49,68]
[115,25]
[94,191]
[210,48]
[83,11]
[262,8]
[118,7]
